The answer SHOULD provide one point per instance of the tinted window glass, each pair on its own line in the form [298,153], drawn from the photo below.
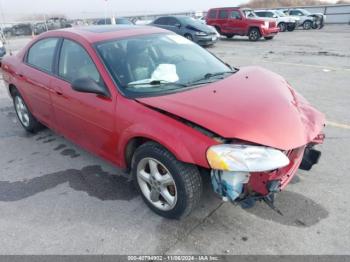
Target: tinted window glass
[212,14]
[122,21]
[269,14]
[223,14]
[76,63]
[41,54]
[235,15]
[161,21]
[295,12]
[172,21]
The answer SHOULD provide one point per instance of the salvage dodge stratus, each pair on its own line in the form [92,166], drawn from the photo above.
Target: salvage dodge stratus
[168,111]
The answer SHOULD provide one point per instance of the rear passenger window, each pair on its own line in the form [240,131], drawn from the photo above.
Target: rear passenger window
[212,14]
[41,54]
[223,14]
[76,63]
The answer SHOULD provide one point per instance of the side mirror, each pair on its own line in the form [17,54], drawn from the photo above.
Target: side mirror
[178,25]
[88,85]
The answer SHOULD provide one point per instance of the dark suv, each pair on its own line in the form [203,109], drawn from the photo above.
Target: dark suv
[188,27]
[231,21]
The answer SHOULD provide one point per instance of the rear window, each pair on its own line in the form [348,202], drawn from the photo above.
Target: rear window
[212,14]
[41,54]
[223,14]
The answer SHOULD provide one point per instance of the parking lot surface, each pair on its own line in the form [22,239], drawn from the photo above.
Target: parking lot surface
[56,198]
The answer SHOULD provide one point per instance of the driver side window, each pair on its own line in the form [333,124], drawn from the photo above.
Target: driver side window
[172,21]
[235,15]
[296,12]
[76,63]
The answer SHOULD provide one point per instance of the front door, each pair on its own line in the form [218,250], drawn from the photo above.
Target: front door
[86,118]
[235,22]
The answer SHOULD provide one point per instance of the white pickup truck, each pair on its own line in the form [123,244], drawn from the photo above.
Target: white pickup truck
[284,22]
[307,20]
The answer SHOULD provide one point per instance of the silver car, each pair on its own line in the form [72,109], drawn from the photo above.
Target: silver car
[188,27]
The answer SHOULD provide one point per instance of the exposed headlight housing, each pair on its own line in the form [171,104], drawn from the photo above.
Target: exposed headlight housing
[201,34]
[245,158]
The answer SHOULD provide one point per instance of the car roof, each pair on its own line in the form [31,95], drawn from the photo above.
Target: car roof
[231,7]
[98,33]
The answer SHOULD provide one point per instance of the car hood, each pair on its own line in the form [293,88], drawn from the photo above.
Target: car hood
[199,27]
[253,104]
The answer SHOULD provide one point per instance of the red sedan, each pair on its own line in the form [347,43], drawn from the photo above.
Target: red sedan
[167,111]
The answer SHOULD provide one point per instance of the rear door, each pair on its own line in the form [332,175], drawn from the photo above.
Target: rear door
[162,22]
[36,75]
[224,21]
[88,119]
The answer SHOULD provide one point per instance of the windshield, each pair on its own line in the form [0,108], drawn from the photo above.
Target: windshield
[305,12]
[159,63]
[279,13]
[249,13]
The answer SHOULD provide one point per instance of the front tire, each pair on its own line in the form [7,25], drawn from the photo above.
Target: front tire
[189,37]
[170,188]
[307,25]
[254,34]
[25,117]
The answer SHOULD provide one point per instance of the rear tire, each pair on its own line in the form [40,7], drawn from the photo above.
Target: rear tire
[254,34]
[291,28]
[218,30]
[182,190]
[25,117]
[307,25]
[282,26]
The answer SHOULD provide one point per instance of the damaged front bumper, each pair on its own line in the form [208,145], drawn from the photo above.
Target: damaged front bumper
[246,188]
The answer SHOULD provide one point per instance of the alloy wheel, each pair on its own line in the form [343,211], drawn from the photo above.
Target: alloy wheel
[254,35]
[157,184]
[22,111]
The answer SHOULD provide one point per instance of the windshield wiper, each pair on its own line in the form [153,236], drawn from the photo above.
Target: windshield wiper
[154,83]
[210,75]
[206,78]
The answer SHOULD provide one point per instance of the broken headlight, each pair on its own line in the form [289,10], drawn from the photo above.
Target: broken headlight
[245,158]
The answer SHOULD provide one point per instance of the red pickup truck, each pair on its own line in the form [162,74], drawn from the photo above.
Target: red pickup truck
[231,21]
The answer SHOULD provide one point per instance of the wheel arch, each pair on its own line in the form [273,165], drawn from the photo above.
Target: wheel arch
[307,20]
[131,144]
[254,27]
[11,89]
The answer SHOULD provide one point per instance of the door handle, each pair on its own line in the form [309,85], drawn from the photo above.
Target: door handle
[59,93]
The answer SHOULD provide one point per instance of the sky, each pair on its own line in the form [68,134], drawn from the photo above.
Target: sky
[11,9]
